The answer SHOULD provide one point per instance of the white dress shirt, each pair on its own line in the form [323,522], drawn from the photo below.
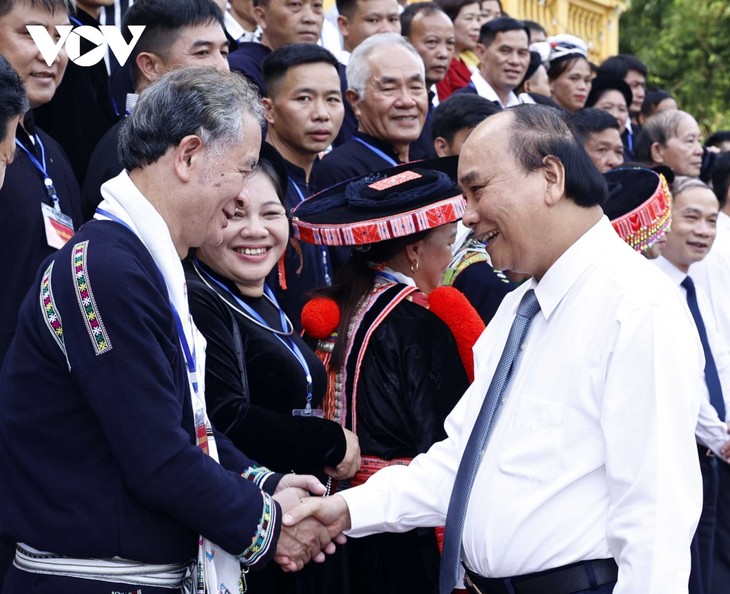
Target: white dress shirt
[711,430]
[484,89]
[713,275]
[593,455]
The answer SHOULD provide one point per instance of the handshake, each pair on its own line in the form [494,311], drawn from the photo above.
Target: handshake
[311,525]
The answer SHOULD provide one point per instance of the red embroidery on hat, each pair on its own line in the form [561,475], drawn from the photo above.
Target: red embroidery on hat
[395,180]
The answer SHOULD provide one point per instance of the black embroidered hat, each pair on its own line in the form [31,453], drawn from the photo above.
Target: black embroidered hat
[639,205]
[391,203]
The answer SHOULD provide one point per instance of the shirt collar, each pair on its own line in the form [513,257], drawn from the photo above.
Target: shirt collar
[485,90]
[567,269]
[670,270]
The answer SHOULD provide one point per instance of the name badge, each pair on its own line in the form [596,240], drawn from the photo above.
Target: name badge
[59,227]
[308,412]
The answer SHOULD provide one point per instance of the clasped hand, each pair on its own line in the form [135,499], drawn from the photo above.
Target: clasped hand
[307,538]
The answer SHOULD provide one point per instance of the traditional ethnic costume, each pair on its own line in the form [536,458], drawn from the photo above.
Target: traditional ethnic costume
[115,470]
[402,373]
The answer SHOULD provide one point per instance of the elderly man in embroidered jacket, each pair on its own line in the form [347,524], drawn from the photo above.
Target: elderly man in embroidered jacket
[111,467]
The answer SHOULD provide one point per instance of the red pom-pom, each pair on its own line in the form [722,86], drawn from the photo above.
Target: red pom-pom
[465,324]
[320,317]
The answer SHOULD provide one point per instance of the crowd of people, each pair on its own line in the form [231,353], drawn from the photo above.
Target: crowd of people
[417,273]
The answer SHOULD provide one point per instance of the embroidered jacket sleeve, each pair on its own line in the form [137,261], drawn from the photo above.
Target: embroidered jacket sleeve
[267,434]
[117,333]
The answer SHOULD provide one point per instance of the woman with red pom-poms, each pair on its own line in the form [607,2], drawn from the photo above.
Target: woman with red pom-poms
[394,366]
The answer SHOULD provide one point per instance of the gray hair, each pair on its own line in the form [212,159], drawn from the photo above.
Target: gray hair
[52,6]
[358,67]
[661,127]
[682,183]
[194,100]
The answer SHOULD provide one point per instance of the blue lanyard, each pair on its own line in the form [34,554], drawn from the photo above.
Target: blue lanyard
[187,351]
[388,159]
[41,166]
[286,340]
[323,250]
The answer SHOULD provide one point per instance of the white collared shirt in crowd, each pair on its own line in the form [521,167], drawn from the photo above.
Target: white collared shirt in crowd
[711,430]
[713,275]
[594,454]
[484,89]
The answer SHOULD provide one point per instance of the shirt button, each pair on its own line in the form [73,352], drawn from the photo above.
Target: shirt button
[522,346]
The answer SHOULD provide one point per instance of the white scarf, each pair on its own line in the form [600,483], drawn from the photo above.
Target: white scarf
[221,571]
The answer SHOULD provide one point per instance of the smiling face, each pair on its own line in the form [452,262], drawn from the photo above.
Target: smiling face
[218,182]
[433,37]
[682,152]
[290,21]
[466,27]
[395,102]
[305,111]
[570,89]
[504,62]
[694,225]
[433,256]
[16,44]
[254,240]
[504,203]
[369,17]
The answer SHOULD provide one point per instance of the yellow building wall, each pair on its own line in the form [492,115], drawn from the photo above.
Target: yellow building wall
[595,21]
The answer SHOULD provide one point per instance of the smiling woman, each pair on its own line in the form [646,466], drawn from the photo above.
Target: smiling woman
[263,384]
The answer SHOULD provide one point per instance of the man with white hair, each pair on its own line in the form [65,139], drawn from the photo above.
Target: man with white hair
[387,92]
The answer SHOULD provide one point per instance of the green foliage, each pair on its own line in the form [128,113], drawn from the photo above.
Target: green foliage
[685,45]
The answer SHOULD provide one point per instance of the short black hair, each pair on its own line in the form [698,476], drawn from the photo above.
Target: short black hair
[721,177]
[452,8]
[52,6]
[591,120]
[163,20]
[346,7]
[539,131]
[620,65]
[535,26]
[13,100]
[410,12]
[461,110]
[652,99]
[488,32]
[277,63]
[717,138]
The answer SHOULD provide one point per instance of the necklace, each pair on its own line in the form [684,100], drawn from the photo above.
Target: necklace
[286,330]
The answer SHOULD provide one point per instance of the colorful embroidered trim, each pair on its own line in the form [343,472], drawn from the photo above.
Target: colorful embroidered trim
[257,475]
[372,231]
[261,541]
[89,310]
[50,312]
[646,224]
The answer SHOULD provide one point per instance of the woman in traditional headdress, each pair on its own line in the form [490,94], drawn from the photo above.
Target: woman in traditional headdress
[394,364]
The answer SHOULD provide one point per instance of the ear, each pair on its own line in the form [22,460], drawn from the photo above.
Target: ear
[353,98]
[657,154]
[412,251]
[343,25]
[479,50]
[268,109]
[441,146]
[259,13]
[149,65]
[187,155]
[554,172]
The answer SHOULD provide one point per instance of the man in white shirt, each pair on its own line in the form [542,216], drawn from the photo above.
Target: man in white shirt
[591,455]
[504,55]
[694,225]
